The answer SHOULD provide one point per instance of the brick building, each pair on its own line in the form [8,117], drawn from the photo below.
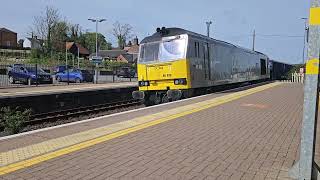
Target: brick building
[8,38]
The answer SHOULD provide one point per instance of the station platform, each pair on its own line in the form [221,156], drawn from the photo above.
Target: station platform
[239,134]
[48,90]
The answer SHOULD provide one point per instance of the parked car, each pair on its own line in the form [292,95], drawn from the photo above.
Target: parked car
[28,75]
[75,75]
[61,68]
[10,67]
[126,72]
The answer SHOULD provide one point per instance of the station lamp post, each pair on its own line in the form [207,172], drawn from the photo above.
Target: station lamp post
[97,20]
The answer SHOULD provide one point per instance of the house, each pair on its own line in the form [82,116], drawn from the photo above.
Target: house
[129,54]
[110,55]
[33,43]
[76,48]
[133,49]
[8,39]
[127,58]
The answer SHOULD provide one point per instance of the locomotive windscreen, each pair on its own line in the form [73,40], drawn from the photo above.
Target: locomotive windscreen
[163,51]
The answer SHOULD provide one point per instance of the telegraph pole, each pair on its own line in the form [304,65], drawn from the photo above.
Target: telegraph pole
[208,27]
[306,167]
[253,40]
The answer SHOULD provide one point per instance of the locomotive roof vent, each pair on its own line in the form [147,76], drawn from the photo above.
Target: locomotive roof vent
[163,31]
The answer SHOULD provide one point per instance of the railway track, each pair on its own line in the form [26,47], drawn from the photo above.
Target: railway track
[95,109]
[76,112]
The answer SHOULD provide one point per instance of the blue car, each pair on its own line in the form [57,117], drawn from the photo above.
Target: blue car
[75,75]
[28,75]
[61,68]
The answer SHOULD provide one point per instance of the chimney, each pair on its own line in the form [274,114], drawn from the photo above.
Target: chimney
[135,41]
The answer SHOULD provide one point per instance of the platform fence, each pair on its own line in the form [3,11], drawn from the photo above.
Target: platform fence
[297,77]
[25,75]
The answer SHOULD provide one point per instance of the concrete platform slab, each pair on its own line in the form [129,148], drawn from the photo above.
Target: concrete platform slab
[252,134]
[45,90]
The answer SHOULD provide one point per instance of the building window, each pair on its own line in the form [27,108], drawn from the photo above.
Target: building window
[8,43]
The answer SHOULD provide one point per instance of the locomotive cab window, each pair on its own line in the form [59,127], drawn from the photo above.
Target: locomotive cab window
[149,52]
[166,50]
[172,50]
[263,66]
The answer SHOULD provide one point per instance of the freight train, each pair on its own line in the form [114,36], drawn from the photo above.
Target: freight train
[175,63]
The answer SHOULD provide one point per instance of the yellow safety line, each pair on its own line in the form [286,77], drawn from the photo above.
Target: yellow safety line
[38,159]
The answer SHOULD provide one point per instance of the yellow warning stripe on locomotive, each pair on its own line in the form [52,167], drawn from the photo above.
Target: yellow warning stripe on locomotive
[312,67]
[315,16]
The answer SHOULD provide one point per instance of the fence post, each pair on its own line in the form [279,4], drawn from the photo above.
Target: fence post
[113,72]
[92,70]
[292,77]
[68,74]
[36,74]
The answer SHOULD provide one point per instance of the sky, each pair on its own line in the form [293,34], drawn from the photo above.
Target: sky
[277,23]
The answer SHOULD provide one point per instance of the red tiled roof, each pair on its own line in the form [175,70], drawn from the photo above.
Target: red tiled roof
[134,49]
[82,50]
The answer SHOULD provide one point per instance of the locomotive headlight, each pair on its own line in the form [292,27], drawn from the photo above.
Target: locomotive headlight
[180,81]
[144,83]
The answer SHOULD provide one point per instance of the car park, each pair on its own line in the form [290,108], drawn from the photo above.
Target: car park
[126,72]
[28,75]
[74,75]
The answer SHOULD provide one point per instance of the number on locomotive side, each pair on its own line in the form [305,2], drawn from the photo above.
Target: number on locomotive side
[166,75]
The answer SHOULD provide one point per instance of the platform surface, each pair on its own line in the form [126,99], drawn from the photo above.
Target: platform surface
[247,134]
[43,90]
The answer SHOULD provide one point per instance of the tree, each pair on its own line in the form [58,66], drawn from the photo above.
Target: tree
[43,25]
[59,35]
[88,40]
[122,32]
[75,31]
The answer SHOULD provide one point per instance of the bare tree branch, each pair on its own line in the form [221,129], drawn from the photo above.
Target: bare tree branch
[43,25]
[122,32]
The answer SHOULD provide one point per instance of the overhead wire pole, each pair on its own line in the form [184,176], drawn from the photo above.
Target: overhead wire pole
[306,168]
[208,23]
[253,40]
[304,39]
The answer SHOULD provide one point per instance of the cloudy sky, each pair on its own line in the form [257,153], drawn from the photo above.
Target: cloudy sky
[277,23]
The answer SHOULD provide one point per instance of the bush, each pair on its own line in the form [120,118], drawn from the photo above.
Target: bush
[12,120]
[295,68]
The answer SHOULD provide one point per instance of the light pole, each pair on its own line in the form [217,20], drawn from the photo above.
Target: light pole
[208,27]
[304,38]
[97,20]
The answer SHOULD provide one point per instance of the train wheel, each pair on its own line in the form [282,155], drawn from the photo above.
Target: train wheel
[155,98]
[165,98]
[152,99]
[147,102]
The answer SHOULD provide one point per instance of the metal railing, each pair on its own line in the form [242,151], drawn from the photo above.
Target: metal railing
[24,75]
